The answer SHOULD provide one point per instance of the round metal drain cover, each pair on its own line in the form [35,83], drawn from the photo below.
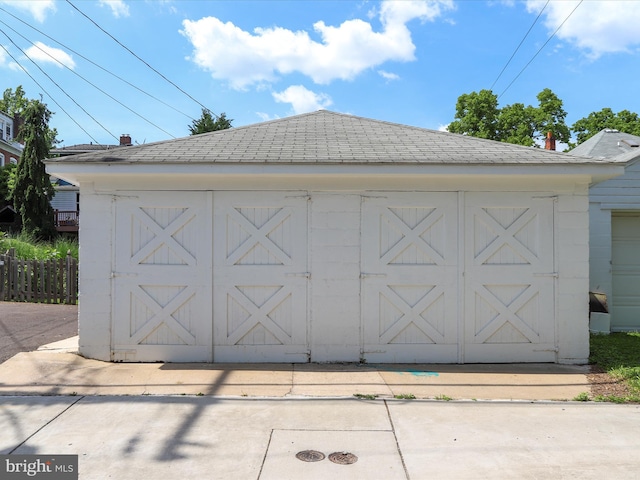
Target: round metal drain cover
[310,456]
[343,458]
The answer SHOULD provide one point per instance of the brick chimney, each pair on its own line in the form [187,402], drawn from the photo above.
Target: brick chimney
[125,140]
[550,142]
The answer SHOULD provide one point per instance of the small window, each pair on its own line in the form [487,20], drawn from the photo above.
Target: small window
[13,161]
[1,159]
[8,130]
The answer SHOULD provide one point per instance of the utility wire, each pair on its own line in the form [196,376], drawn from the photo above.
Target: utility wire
[92,84]
[136,56]
[61,89]
[545,44]
[45,91]
[519,45]
[96,65]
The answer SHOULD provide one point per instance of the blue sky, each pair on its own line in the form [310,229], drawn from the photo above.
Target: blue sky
[401,61]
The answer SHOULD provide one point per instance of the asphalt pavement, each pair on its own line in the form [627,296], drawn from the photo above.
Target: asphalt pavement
[26,326]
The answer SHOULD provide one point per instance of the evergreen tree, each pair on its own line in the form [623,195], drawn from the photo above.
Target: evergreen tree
[207,123]
[33,190]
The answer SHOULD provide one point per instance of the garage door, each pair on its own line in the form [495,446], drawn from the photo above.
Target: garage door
[444,276]
[509,278]
[625,266]
[260,277]
[410,276]
[162,277]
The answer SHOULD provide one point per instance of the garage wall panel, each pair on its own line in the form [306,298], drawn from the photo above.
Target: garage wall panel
[162,277]
[509,278]
[409,277]
[260,277]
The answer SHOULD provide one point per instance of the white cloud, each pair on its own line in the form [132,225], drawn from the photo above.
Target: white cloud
[388,75]
[118,7]
[303,100]
[37,8]
[43,53]
[245,58]
[598,27]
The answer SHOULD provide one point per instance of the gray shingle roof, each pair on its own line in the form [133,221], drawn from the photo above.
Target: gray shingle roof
[325,137]
[607,143]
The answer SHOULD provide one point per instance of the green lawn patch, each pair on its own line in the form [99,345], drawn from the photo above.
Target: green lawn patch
[618,354]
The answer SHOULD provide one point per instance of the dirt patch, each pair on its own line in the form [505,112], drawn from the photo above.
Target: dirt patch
[605,385]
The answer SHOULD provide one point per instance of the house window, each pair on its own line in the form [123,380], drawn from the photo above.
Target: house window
[8,130]
[1,159]
[13,161]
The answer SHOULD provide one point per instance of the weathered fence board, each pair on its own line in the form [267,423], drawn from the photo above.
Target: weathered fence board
[38,281]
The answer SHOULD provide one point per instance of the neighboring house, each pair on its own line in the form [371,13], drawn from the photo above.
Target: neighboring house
[10,149]
[327,237]
[614,232]
[66,201]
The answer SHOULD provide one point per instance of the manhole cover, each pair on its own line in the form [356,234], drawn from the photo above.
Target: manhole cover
[310,456]
[343,458]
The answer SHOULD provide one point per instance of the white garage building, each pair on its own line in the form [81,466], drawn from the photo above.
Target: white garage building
[327,237]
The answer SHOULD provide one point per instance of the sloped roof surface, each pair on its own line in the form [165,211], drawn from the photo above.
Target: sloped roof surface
[328,137]
[607,143]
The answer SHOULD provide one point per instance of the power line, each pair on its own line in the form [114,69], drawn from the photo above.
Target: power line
[136,56]
[59,87]
[90,83]
[545,44]
[44,90]
[95,64]
[519,45]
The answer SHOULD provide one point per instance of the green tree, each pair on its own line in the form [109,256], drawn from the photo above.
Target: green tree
[477,114]
[207,123]
[623,121]
[14,103]
[550,117]
[7,181]
[33,190]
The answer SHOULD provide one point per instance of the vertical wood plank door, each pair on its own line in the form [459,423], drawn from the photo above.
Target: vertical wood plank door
[509,278]
[409,277]
[162,277]
[260,277]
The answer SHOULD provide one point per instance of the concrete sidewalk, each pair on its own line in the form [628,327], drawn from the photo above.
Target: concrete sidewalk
[160,437]
[158,421]
[56,370]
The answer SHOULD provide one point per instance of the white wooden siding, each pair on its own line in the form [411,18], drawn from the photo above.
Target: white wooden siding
[617,196]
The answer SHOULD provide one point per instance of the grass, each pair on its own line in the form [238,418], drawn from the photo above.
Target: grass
[27,248]
[618,354]
[365,396]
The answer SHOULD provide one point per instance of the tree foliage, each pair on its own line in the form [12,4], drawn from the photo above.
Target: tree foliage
[477,114]
[207,123]
[623,121]
[33,190]
[15,103]
[7,181]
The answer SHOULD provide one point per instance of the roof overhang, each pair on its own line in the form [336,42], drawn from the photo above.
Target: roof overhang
[79,173]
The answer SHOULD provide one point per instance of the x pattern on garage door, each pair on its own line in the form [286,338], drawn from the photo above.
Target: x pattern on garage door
[260,277]
[509,278]
[413,276]
[161,275]
[409,263]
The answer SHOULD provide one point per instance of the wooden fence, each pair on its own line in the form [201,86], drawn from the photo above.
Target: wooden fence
[38,281]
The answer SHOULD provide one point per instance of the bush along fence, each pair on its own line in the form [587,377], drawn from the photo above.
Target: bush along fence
[38,281]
